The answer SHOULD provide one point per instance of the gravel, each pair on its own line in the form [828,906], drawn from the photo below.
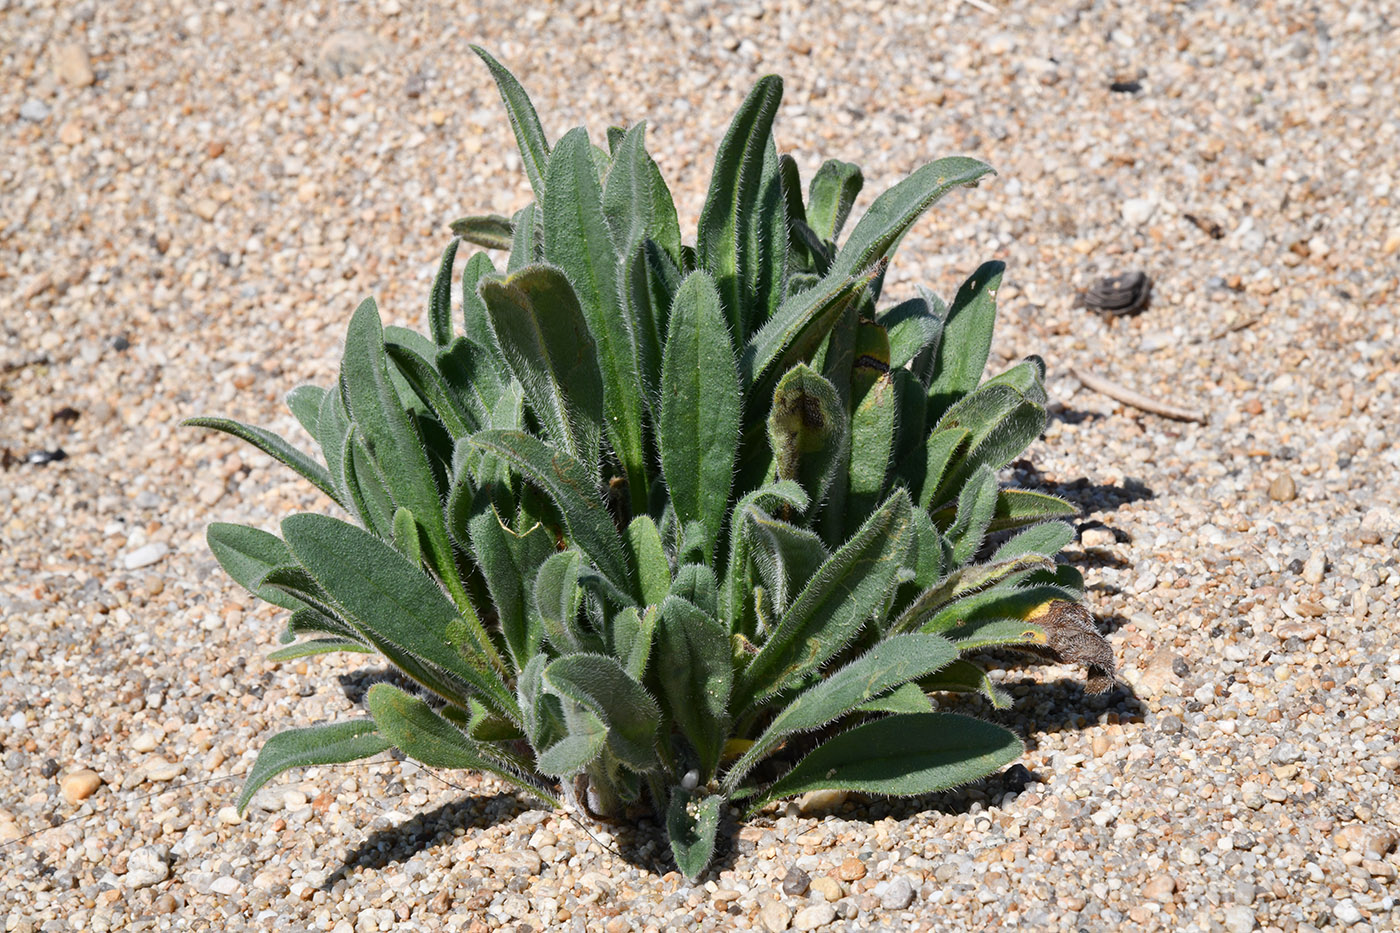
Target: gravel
[188,231]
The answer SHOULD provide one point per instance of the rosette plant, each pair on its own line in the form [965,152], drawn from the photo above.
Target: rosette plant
[653,525]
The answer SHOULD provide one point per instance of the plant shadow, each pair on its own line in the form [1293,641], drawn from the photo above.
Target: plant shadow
[1090,497]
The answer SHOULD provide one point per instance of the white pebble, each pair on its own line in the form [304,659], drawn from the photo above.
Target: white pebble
[146,556]
[1346,912]
[1138,211]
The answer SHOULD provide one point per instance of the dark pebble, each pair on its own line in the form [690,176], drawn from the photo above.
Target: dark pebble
[1179,667]
[1017,777]
[49,768]
[67,414]
[796,881]
[1169,724]
[120,343]
[1125,87]
[1295,565]
[41,457]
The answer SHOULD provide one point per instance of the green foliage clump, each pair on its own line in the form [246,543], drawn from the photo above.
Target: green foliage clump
[672,525]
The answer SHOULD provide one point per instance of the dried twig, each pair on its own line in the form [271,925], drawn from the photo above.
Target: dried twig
[1137,400]
[982,5]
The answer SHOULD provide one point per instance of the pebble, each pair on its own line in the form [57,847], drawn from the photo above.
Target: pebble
[145,742]
[146,866]
[1098,537]
[1138,211]
[35,111]
[1239,919]
[796,882]
[898,893]
[821,801]
[1315,568]
[827,887]
[225,885]
[146,555]
[71,65]
[1347,913]
[814,917]
[80,785]
[775,916]
[1282,488]
[1160,888]
[166,904]
[851,869]
[159,770]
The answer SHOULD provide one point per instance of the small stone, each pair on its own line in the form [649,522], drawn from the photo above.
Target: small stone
[71,65]
[827,887]
[70,133]
[437,117]
[205,208]
[1097,537]
[1160,888]
[898,895]
[34,110]
[1138,211]
[1315,568]
[346,52]
[810,918]
[1283,489]
[775,917]
[1239,919]
[821,801]
[1100,746]
[1156,674]
[146,866]
[618,925]
[851,869]
[229,816]
[146,555]
[166,904]
[796,882]
[145,742]
[1286,753]
[80,785]
[159,770]
[225,885]
[1346,912]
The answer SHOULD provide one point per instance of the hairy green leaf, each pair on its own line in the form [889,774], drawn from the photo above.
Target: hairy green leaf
[695,676]
[275,447]
[601,685]
[534,150]
[829,198]
[491,231]
[691,825]
[967,339]
[332,743]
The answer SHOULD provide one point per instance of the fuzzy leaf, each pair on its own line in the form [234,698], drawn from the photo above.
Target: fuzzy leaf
[332,743]
[907,698]
[652,281]
[440,298]
[534,150]
[807,428]
[913,327]
[833,606]
[976,503]
[830,196]
[889,664]
[907,755]
[694,670]
[967,339]
[1047,538]
[698,431]
[966,677]
[247,554]
[725,239]
[894,212]
[426,380]
[275,447]
[579,748]
[636,200]
[576,238]
[692,834]
[735,592]
[305,402]
[569,484]
[557,599]
[478,267]
[536,320]
[873,426]
[526,244]
[509,563]
[306,649]
[633,635]
[1016,508]
[649,560]
[601,685]
[491,231]
[787,555]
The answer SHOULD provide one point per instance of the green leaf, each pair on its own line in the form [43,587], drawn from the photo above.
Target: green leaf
[396,447]
[557,599]
[576,238]
[636,200]
[649,559]
[908,755]
[695,673]
[696,584]
[893,662]
[767,251]
[633,635]
[579,748]
[807,427]
[1026,377]
[734,596]
[966,677]
[981,633]
[833,606]
[791,179]
[913,326]
[317,646]
[526,246]
[425,736]
[469,375]
[247,554]
[425,379]
[967,339]
[395,606]
[907,698]
[1017,508]
[474,324]
[534,150]
[308,620]
[830,196]
[976,503]
[894,212]
[786,555]
[652,281]
[600,684]
[536,321]
[332,743]
[509,562]
[725,238]
[365,483]
[440,298]
[795,331]
[406,536]
[491,231]
[873,426]
[698,431]
[1047,538]
[275,447]
[961,582]
[691,826]
[305,402]
[569,484]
